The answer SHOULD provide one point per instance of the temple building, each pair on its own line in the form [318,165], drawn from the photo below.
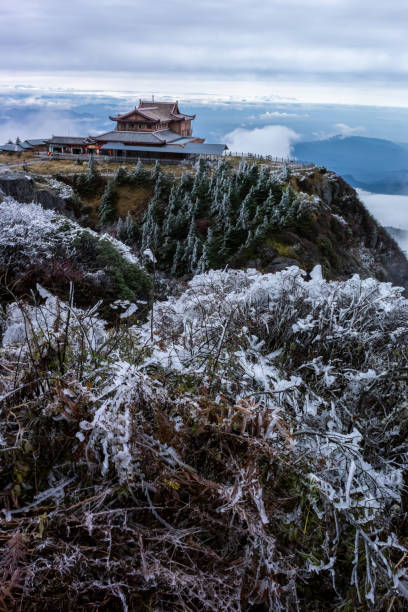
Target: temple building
[150,124]
[155,117]
[71,145]
[152,130]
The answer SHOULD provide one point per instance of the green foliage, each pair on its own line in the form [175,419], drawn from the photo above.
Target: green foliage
[77,205]
[90,182]
[156,171]
[140,176]
[201,220]
[121,176]
[123,280]
[107,206]
[127,230]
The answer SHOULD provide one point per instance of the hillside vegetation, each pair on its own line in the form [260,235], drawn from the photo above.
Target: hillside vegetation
[242,215]
[203,402]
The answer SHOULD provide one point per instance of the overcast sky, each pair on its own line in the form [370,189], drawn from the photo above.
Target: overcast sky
[345,51]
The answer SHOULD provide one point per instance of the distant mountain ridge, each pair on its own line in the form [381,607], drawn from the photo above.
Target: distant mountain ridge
[373,164]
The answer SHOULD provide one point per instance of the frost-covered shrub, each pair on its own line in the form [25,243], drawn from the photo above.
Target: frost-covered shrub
[38,245]
[328,360]
[246,449]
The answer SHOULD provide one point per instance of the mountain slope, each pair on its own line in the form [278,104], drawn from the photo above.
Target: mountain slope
[246,448]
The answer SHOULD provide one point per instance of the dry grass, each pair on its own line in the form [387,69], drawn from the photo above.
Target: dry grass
[133,200]
[63,166]
[13,159]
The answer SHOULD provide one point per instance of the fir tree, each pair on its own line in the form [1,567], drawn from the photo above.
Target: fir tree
[121,176]
[226,207]
[161,187]
[186,182]
[196,255]
[140,176]
[249,239]
[262,187]
[92,171]
[258,216]
[90,181]
[291,214]
[120,235]
[243,218]
[126,230]
[269,205]
[177,258]
[190,240]
[285,173]
[203,264]
[156,171]
[149,223]
[107,206]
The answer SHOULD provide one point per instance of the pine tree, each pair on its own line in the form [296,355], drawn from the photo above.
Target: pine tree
[243,217]
[121,176]
[203,264]
[186,182]
[148,226]
[200,192]
[177,258]
[92,170]
[260,232]
[126,230]
[156,171]
[226,207]
[269,205]
[107,206]
[155,237]
[161,187]
[140,176]
[190,240]
[286,200]
[266,223]
[196,255]
[249,239]
[258,216]
[281,211]
[90,181]
[291,213]
[285,173]
[120,234]
[262,187]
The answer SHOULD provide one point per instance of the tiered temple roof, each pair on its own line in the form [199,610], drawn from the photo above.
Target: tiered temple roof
[153,112]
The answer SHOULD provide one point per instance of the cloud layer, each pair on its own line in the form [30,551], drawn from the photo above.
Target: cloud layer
[318,42]
[275,140]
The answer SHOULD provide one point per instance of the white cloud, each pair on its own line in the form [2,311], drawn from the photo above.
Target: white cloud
[40,125]
[345,130]
[389,210]
[319,50]
[276,115]
[276,140]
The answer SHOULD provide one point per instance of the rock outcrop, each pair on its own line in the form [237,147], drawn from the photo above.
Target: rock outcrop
[22,188]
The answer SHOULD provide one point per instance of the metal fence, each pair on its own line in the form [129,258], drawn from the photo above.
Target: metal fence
[278,161]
